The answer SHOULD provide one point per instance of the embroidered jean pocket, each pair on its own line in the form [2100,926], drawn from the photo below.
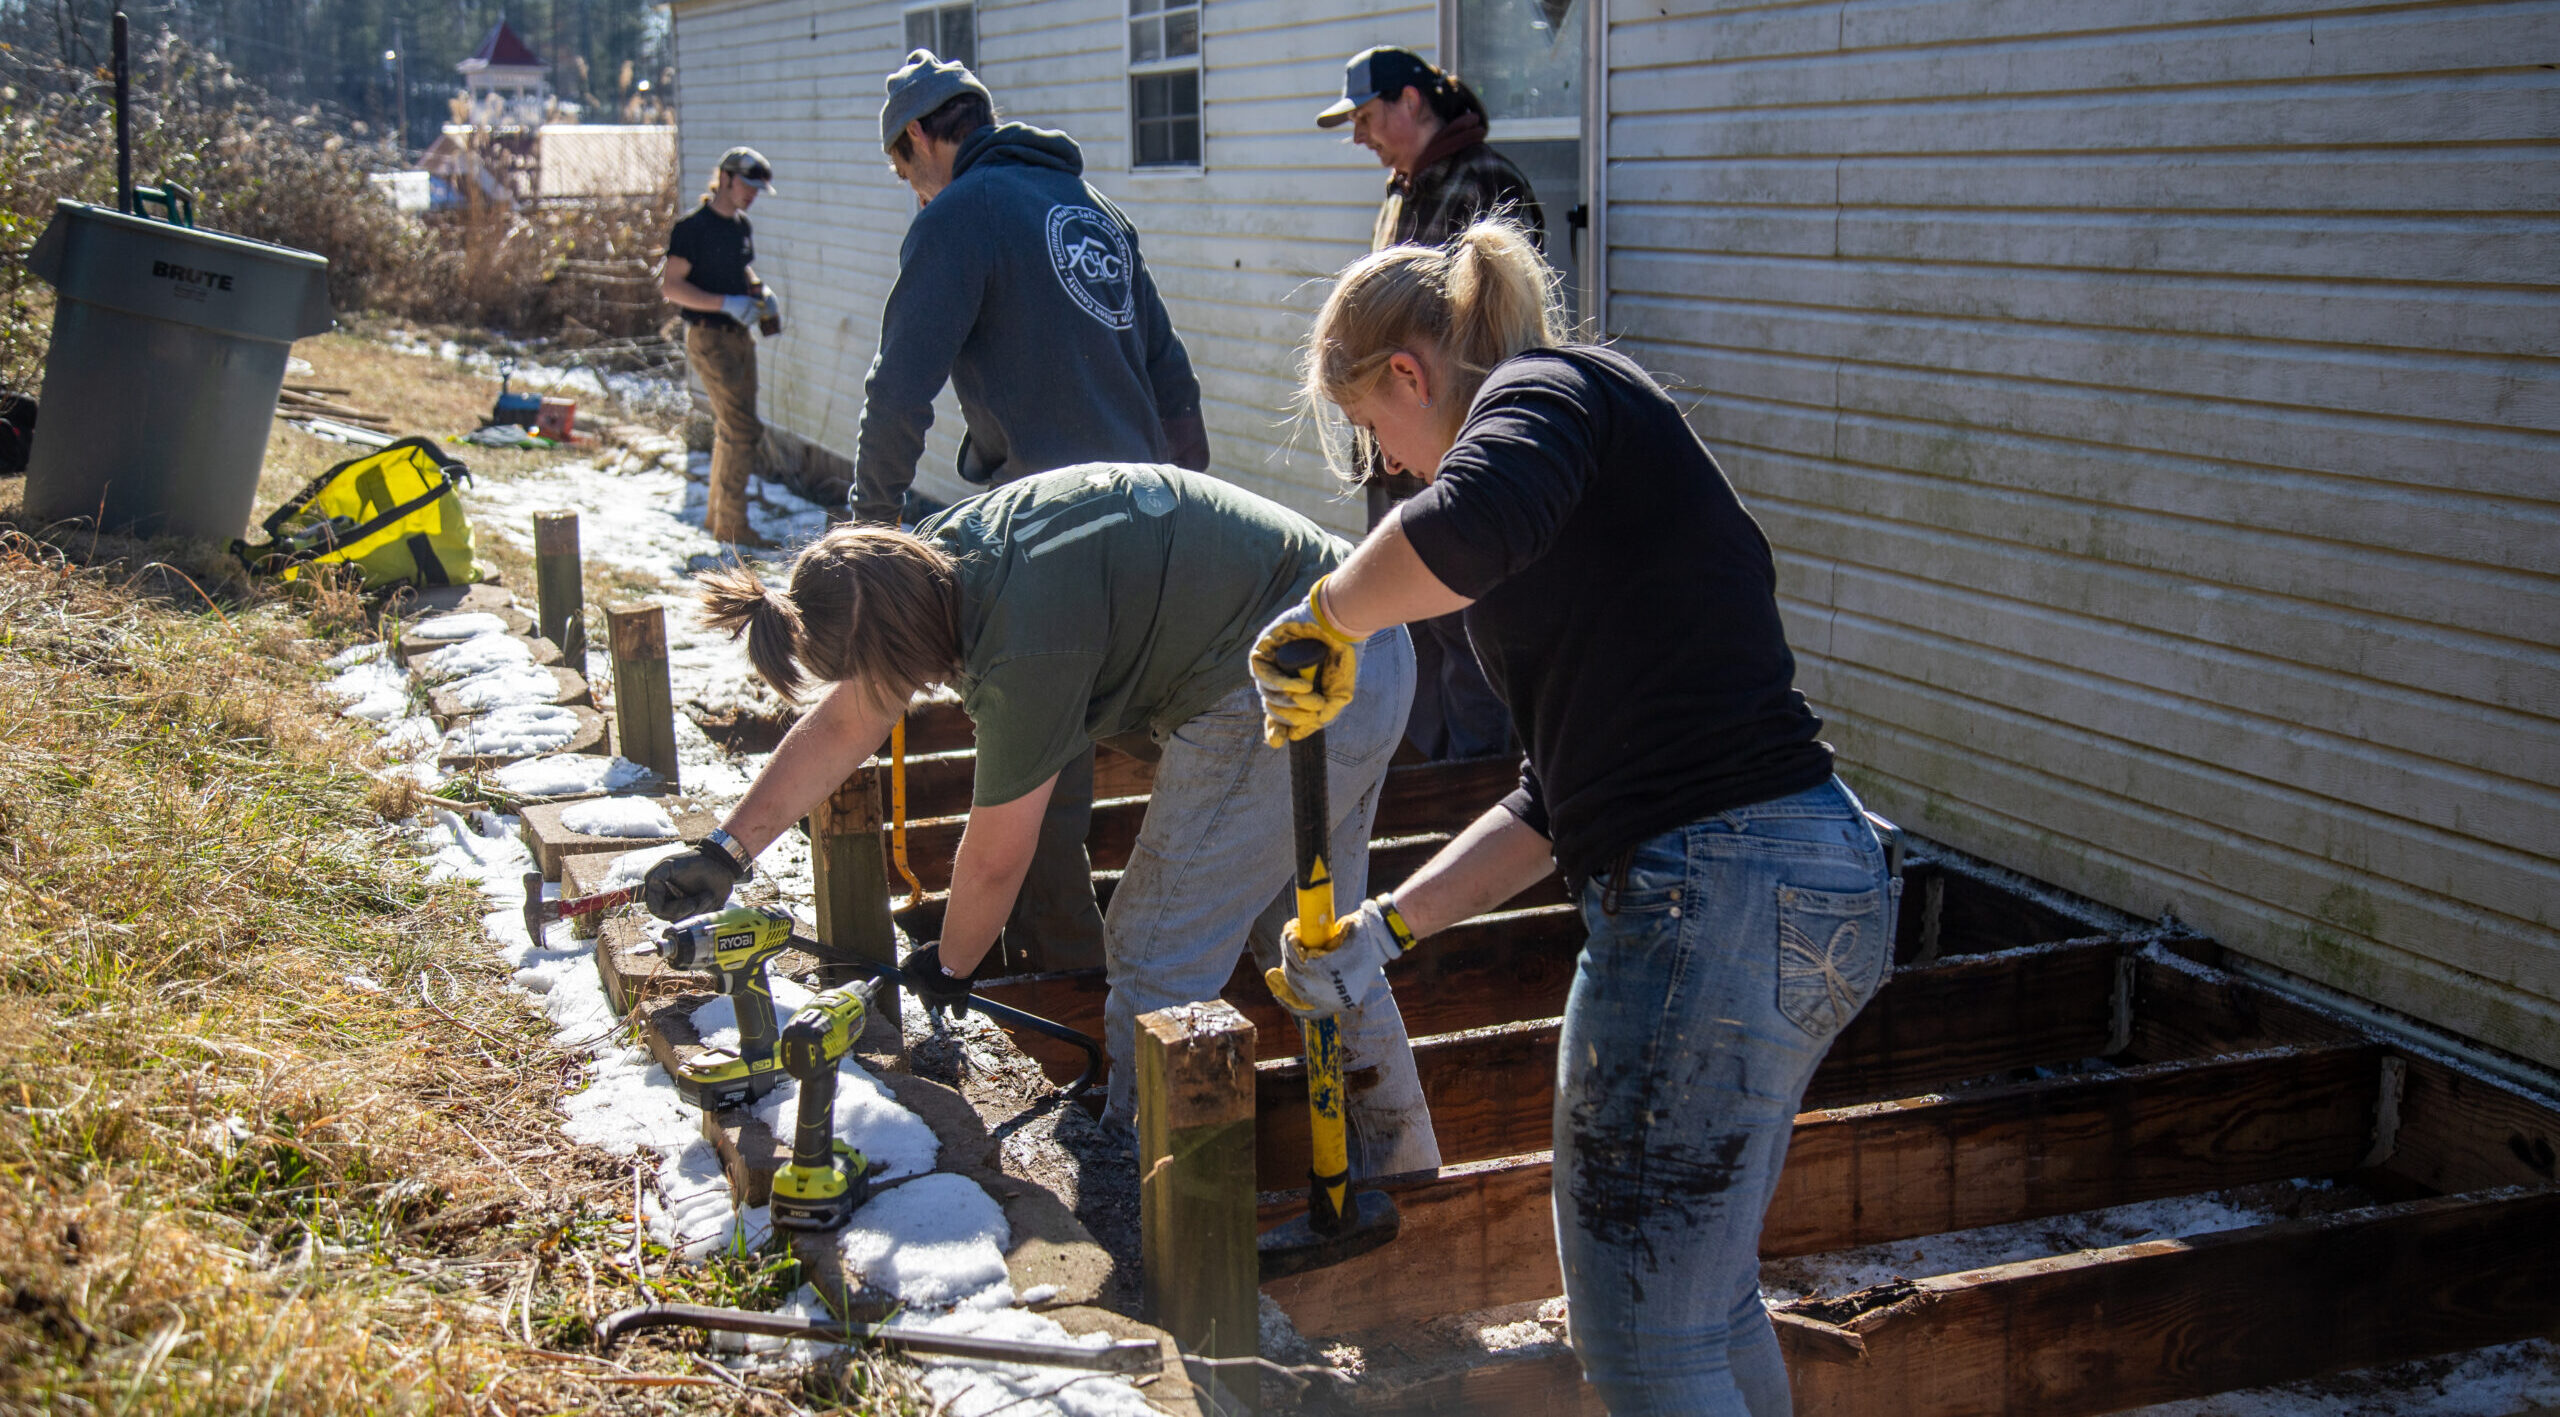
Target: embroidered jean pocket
[1833,947]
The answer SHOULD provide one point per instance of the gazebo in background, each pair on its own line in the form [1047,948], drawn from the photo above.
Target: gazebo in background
[503,82]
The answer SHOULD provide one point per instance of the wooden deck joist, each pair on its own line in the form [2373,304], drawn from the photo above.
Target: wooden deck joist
[1481,1234]
[2099,1330]
[1494,969]
[1419,798]
[1492,1089]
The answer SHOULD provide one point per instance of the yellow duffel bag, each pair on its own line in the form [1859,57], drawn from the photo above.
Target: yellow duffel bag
[395,515]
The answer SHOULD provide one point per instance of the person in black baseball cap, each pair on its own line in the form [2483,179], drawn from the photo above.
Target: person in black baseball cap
[710,277]
[1428,128]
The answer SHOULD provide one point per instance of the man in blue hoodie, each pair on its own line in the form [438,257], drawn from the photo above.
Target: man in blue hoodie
[1023,288]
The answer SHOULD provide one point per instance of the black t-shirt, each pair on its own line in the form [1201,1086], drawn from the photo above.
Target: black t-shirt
[720,248]
[1625,606]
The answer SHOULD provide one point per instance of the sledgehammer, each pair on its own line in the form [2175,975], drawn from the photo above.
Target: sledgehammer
[1340,1223]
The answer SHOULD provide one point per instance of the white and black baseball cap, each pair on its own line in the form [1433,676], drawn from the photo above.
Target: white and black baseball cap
[749,164]
[1382,72]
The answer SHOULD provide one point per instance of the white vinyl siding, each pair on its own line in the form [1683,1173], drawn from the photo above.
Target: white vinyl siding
[2156,412]
[1238,249]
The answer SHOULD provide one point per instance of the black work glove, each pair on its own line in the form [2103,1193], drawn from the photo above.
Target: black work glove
[684,886]
[936,990]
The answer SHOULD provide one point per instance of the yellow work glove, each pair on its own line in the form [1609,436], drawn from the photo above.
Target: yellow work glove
[1297,702]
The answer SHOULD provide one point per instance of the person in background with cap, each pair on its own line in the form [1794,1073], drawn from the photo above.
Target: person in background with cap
[1022,287]
[1429,129]
[710,276]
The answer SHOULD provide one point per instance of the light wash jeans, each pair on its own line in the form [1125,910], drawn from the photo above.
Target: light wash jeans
[1722,962]
[1211,874]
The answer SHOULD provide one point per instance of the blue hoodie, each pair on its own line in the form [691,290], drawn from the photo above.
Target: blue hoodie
[1023,287]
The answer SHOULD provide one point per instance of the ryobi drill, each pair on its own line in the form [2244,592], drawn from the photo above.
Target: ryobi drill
[827,1180]
[732,946]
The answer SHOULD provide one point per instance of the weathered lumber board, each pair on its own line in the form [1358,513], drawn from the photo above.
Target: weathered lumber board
[1492,1089]
[2101,1330]
[1391,861]
[552,843]
[2182,1009]
[2457,1131]
[1420,797]
[1491,970]
[1949,910]
[1891,1171]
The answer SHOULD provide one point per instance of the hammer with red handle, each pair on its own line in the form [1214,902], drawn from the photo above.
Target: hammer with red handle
[539,912]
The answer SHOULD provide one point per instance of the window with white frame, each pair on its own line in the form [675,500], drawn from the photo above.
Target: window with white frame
[950,31]
[1164,83]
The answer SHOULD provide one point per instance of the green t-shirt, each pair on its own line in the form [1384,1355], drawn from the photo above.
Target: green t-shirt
[1111,598]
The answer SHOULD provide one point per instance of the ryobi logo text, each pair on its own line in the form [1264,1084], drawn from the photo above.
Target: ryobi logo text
[1091,255]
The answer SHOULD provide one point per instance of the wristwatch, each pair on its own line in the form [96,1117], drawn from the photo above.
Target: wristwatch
[719,840]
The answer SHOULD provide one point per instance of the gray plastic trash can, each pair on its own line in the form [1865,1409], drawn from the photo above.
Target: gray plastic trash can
[168,351]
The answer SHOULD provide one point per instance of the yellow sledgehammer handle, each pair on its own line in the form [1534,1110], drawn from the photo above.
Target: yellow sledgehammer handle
[1310,813]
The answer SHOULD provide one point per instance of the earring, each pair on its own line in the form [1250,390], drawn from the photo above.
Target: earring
[1426,403]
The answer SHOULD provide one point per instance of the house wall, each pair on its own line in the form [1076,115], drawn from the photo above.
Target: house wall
[1238,248]
[2155,410]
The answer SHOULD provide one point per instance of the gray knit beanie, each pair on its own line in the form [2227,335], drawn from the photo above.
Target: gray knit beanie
[924,84]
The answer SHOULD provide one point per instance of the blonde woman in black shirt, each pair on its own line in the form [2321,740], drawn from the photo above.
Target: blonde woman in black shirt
[1738,904]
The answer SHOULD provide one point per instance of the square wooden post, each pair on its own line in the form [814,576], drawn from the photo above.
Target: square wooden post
[559,590]
[852,877]
[644,709]
[1196,1187]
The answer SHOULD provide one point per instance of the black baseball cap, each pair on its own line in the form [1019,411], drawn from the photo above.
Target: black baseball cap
[1382,72]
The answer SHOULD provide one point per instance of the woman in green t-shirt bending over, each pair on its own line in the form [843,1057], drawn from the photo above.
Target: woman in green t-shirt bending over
[1110,601]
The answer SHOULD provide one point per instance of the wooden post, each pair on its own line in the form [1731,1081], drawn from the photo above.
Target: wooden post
[561,593]
[1195,1188]
[852,878]
[644,709]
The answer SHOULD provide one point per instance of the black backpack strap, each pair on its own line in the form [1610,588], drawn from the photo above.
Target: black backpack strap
[430,571]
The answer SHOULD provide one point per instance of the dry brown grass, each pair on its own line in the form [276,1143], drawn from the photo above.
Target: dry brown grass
[274,1135]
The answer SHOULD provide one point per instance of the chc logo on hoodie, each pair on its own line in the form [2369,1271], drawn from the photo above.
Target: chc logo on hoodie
[1091,255]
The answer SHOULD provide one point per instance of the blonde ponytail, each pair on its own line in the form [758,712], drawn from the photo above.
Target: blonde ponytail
[870,604]
[1473,303]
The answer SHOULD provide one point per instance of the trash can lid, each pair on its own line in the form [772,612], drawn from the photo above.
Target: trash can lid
[209,279]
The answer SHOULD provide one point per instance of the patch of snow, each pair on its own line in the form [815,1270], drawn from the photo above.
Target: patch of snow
[375,690]
[513,732]
[415,734]
[567,774]
[365,653]
[477,655]
[618,816]
[631,867]
[441,629]
[966,1387]
[867,1118]
[499,688]
[935,1242]
[1844,1271]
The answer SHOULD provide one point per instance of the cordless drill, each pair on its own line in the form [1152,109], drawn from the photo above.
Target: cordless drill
[732,946]
[827,1180]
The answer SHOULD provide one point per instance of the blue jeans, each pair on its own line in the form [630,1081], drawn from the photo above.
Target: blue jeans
[1722,961]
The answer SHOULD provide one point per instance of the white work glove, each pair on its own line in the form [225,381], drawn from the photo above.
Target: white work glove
[1352,971]
[1296,703]
[741,308]
[770,307]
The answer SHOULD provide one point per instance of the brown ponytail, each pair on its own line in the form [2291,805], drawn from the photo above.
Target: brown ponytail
[867,603]
[1471,304]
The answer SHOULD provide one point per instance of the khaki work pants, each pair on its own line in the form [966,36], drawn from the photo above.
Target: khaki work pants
[723,353]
